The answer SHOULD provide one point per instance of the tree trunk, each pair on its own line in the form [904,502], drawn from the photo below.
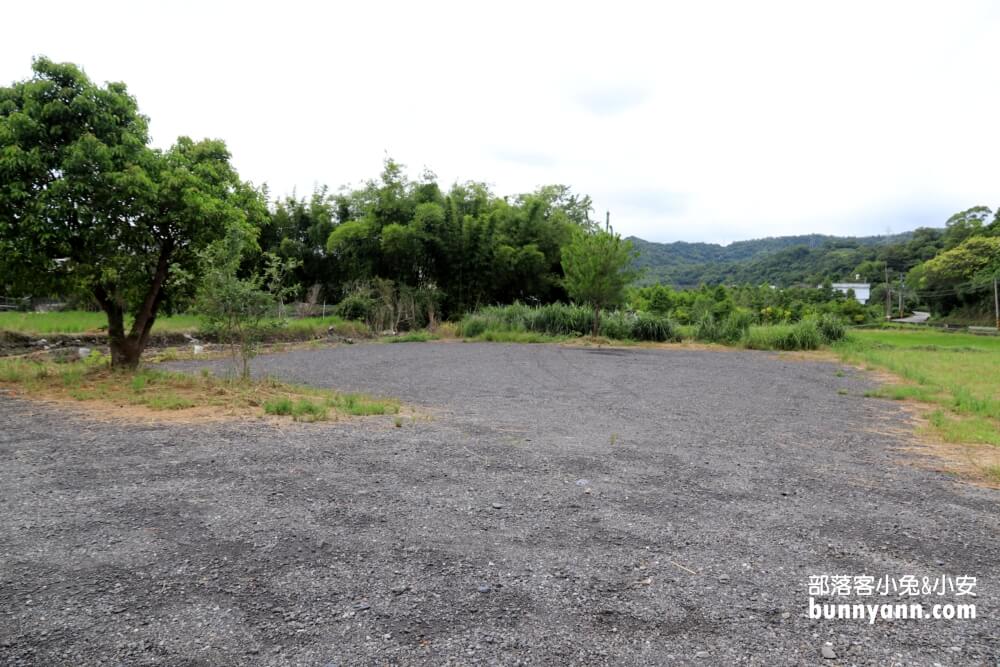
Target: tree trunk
[597,321]
[126,350]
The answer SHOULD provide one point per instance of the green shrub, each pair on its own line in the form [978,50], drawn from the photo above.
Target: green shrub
[355,307]
[615,325]
[472,326]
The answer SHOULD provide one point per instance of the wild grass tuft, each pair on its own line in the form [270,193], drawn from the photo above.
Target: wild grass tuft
[281,406]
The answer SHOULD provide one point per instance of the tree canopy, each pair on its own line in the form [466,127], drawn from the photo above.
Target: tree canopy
[87,206]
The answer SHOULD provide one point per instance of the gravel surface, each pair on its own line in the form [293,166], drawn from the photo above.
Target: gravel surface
[553,506]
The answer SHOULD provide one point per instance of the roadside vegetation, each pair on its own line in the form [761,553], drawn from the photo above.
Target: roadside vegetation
[151,390]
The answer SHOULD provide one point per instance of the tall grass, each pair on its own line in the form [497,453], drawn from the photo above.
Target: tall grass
[804,335]
[737,329]
[531,323]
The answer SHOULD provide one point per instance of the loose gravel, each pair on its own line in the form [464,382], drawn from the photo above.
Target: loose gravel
[547,506]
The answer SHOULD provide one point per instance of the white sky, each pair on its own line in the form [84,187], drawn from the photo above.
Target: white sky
[697,121]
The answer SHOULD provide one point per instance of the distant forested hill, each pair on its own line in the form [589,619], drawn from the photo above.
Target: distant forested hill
[782,260]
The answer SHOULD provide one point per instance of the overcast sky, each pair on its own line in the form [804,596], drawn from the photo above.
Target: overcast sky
[697,121]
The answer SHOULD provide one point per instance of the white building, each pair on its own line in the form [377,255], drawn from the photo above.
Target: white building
[861,290]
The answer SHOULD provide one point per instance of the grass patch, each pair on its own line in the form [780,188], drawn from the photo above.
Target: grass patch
[964,429]
[958,374]
[412,337]
[501,336]
[307,410]
[902,392]
[203,396]
[318,327]
[359,405]
[281,406]
[168,401]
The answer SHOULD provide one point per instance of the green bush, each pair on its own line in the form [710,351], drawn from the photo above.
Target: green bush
[615,325]
[355,307]
[472,326]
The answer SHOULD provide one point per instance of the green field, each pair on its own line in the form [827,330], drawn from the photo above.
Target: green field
[81,322]
[959,374]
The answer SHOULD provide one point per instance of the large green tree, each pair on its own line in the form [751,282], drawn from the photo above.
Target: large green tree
[598,265]
[961,276]
[86,206]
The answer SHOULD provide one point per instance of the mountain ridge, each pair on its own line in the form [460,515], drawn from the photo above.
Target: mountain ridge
[779,260]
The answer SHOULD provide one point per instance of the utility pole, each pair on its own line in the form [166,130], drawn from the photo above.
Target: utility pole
[996,301]
[888,295]
[607,221]
[901,295]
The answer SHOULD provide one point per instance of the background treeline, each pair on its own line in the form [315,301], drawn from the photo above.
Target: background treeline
[448,250]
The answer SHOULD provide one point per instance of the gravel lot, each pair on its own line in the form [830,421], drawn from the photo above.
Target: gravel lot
[555,506]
